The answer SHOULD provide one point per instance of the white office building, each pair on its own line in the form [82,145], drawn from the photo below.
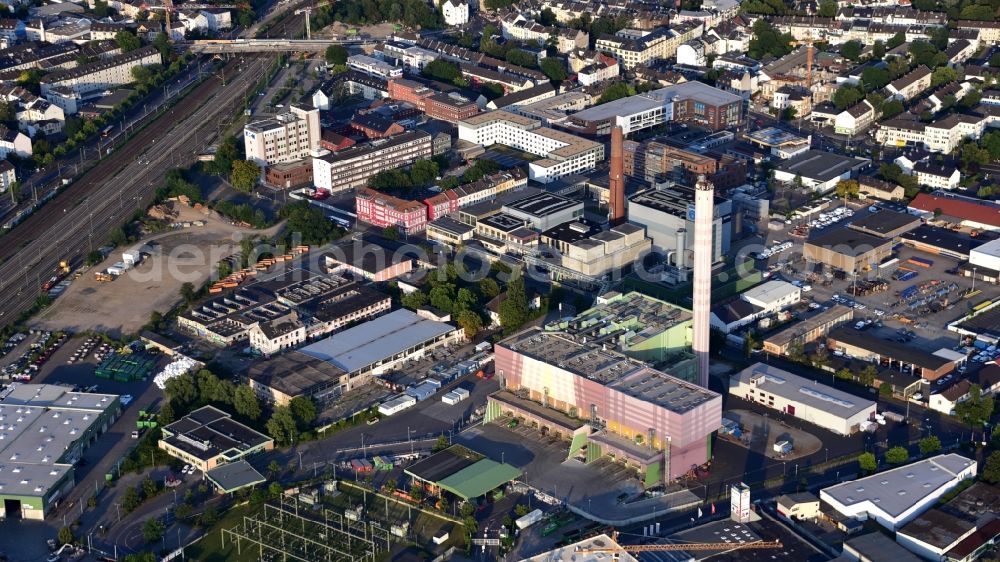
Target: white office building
[373,67]
[564,153]
[799,397]
[286,137]
[897,496]
[986,256]
[773,296]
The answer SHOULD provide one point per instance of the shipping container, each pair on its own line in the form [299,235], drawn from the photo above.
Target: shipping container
[397,404]
[422,391]
[920,262]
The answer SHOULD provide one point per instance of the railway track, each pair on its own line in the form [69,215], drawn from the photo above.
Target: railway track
[82,216]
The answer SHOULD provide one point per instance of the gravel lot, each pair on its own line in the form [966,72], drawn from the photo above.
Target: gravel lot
[123,306]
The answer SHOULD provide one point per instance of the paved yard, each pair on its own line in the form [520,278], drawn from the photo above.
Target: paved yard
[762,432]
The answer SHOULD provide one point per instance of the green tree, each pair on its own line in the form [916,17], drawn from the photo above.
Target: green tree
[303,410]
[520,510]
[336,54]
[100,8]
[442,70]
[878,51]
[995,60]
[488,287]
[885,389]
[65,535]
[152,530]
[846,96]
[414,300]
[94,257]
[471,322]
[282,426]
[274,490]
[977,409]
[188,293]
[390,233]
[767,40]
[867,462]
[554,69]
[848,189]
[208,517]
[991,468]
[441,444]
[896,40]
[244,175]
[614,92]
[130,499]
[874,78]
[245,402]
[514,309]
[423,172]
[182,390]
[867,375]
[897,455]
[943,75]
[547,17]
[891,109]
[851,50]
[127,41]
[149,488]
[930,445]
[827,9]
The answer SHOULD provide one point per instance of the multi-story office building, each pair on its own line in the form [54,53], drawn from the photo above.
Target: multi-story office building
[373,67]
[101,75]
[351,168]
[564,153]
[285,138]
[694,102]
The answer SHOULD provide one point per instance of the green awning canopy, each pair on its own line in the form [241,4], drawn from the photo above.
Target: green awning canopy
[479,479]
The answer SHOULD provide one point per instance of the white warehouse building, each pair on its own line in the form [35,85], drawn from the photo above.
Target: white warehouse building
[564,153]
[774,295]
[895,497]
[796,396]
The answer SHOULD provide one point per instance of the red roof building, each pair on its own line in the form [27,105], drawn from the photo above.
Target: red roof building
[973,214]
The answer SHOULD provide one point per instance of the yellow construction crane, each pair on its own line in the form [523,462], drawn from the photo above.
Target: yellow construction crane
[678,546]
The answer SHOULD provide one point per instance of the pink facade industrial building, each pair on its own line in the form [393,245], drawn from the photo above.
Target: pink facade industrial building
[605,403]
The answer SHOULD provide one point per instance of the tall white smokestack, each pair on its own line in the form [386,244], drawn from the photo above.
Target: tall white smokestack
[704,214]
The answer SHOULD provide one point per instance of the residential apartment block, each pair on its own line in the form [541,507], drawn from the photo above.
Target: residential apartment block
[564,153]
[633,48]
[101,75]
[351,168]
[382,210]
[517,26]
[286,137]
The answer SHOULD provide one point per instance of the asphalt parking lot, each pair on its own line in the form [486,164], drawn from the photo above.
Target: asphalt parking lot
[762,432]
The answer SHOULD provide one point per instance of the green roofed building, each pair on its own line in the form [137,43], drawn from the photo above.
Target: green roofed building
[44,430]
[462,472]
[636,325]
[479,479]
